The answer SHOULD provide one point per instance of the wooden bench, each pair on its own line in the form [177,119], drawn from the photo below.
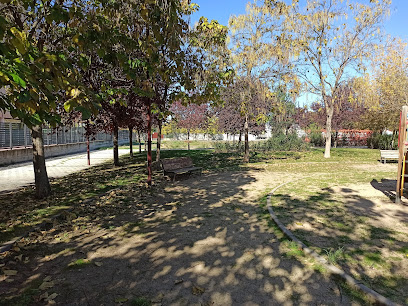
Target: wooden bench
[389,154]
[178,166]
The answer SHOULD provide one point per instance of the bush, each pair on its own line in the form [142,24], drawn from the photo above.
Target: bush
[316,139]
[228,146]
[282,142]
[383,142]
[278,142]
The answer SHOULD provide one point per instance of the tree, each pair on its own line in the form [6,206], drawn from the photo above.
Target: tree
[189,117]
[348,113]
[385,89]
[257,55]
[330,40]
[35,70]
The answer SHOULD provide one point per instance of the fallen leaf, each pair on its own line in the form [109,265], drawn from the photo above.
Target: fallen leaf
[52,296]
[9,280]
[98,263]
[121,300]
[46,285]
[44,296]
[197,290]
[178,281]
[10,272]
[47,279]
[19,257]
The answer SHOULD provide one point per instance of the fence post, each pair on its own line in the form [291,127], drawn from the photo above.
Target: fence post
[11,134]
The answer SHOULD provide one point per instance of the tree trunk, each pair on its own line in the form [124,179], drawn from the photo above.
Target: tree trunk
[336,135]
[329,113]
[115,144]
[131,141]
[138,140]
[149,146]
[239,139]
[188,139]
[246,131]
[42,184]
[159,141]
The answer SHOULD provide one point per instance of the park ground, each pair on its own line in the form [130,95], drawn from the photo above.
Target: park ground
[209,240]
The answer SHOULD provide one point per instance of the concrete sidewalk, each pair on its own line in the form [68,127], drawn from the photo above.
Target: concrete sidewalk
[16,176]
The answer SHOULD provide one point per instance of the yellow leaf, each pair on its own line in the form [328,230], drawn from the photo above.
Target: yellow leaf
[75,39]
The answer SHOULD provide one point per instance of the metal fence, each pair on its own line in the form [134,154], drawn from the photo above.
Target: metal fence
[17,135]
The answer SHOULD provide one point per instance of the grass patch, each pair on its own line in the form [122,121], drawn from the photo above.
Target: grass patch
[140,301]
[79,263]
[334,221]
[333,256]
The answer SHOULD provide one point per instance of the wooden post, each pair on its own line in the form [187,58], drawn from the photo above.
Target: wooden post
[402,150]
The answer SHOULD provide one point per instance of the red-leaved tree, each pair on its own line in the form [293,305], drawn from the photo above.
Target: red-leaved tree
[189,117]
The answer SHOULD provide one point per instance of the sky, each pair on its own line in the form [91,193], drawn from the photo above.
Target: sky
[221,10]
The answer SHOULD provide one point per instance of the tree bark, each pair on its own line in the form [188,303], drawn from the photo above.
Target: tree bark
[188,139]
[246,131]
[336,135]
[329,113]
[115,144]
[159,141]
[131,141]
[240,138]
[149,146]
[42,184]
[138,140]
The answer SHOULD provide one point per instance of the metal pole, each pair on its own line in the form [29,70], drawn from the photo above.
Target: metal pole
[87,150]
[25,136]
[48,136]
[11,134]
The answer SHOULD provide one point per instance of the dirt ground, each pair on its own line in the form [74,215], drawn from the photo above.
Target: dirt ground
[200,241]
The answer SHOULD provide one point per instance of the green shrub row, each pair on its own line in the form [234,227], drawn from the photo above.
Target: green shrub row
[383,142]
[278,142]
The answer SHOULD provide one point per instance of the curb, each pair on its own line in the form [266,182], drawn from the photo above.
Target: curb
[378,298]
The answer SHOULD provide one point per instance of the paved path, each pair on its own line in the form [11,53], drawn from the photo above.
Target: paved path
[16,176]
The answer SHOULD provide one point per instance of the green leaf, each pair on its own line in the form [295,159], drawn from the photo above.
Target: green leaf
[18,80]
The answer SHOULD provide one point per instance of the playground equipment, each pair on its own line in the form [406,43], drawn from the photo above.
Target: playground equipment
[402,173]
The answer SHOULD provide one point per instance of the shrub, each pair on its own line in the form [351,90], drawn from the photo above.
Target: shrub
[282,142]
[316,139]
[228,146]
[383,142]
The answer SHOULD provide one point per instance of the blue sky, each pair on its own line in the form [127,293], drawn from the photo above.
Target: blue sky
[396,25]
[221,10]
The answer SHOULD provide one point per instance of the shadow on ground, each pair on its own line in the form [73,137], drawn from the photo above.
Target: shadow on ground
[196,242]
[356,228]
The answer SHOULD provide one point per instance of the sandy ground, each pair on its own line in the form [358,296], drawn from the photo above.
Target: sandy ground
[200,242]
